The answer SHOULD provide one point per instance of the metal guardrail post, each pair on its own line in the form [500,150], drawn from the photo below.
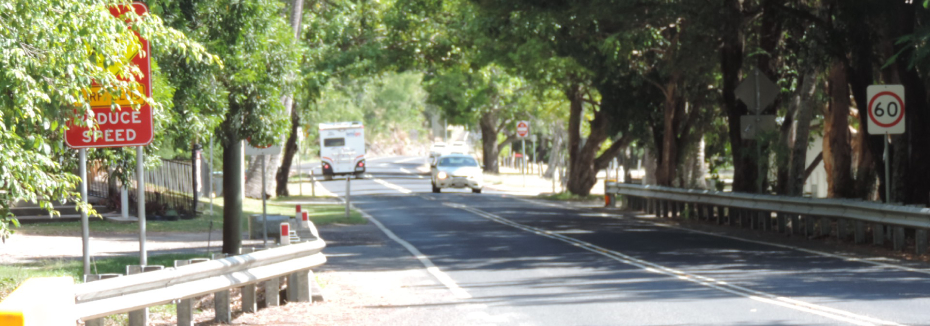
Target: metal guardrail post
[878,234]
[859,236]
[184,307]
[221,301]
[249,291]
[140,317]
[920,239]
[272,289]
[92,278]
[898,238]
[841,228]
[808,225]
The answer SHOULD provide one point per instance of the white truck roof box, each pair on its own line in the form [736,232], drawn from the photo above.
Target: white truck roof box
[341,125]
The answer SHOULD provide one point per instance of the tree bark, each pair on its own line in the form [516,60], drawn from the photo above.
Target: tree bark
[253,180]
[837,156]
[916,184]
[232,182]
[668,157]
[490,150]
[800,134]
[745,171]
[290,146]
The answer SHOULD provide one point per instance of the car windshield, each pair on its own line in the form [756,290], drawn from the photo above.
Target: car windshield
[457,161]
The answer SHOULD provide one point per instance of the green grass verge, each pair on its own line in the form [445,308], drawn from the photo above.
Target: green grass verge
[13,275]
[319,214]
[567,196]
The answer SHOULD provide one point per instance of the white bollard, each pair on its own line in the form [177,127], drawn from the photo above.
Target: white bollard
[284,237]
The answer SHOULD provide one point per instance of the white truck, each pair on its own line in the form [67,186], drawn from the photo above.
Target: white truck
[342,148]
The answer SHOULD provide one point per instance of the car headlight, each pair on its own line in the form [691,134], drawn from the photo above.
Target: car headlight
[441,175]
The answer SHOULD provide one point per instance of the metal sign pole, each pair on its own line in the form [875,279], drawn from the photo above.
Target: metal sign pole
[887,169]
[211,179]
[85,223]
[523,148]
[264,207]
[348,194]
[140,175]
[757,132]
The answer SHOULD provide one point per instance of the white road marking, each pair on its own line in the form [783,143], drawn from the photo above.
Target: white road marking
[815,252]
[430,267]
[819,310]
[393,186]
[410,159]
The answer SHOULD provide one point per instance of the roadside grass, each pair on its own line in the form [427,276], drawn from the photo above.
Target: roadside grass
[320,215]
[12,275]
[568,196]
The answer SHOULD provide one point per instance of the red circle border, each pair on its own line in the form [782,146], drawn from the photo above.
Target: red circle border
[872,116]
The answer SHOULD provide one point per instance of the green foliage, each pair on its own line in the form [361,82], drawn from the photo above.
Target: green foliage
[258,51]
[393,102]
[50,52]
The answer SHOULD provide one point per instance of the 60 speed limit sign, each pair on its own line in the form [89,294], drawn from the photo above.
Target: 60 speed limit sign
[886,109]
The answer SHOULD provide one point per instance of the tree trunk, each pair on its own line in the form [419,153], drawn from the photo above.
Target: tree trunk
[253,176]
[290,149]
[837,156]
[232,184]
[800,134]
[649,165]
[490,150]
[668,157]
[745,168]
[556,152]
[917,182]
[290,146]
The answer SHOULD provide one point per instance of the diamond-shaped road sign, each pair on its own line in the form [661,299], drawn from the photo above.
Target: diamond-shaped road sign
[746,91]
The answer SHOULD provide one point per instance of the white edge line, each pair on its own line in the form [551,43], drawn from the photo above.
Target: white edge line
[393,186]
[811,251]
[823,311]
[430,267]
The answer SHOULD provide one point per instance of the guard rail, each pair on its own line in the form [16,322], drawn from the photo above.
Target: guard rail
[178,284]
[800,215]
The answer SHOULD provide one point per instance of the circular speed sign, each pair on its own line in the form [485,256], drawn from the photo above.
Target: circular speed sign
[886,109]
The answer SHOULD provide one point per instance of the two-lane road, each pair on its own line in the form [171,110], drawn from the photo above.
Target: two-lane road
[508,260]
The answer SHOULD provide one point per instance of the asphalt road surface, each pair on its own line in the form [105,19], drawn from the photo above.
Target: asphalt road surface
[502,259]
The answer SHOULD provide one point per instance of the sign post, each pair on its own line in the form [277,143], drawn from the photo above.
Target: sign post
[886,117]
[523,129]
[263,151]
[119,127]
[757,92]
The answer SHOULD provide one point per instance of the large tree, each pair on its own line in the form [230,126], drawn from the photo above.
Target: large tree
[256,45]
[50,52]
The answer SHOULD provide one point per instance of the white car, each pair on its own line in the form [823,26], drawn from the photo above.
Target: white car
[457,171]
